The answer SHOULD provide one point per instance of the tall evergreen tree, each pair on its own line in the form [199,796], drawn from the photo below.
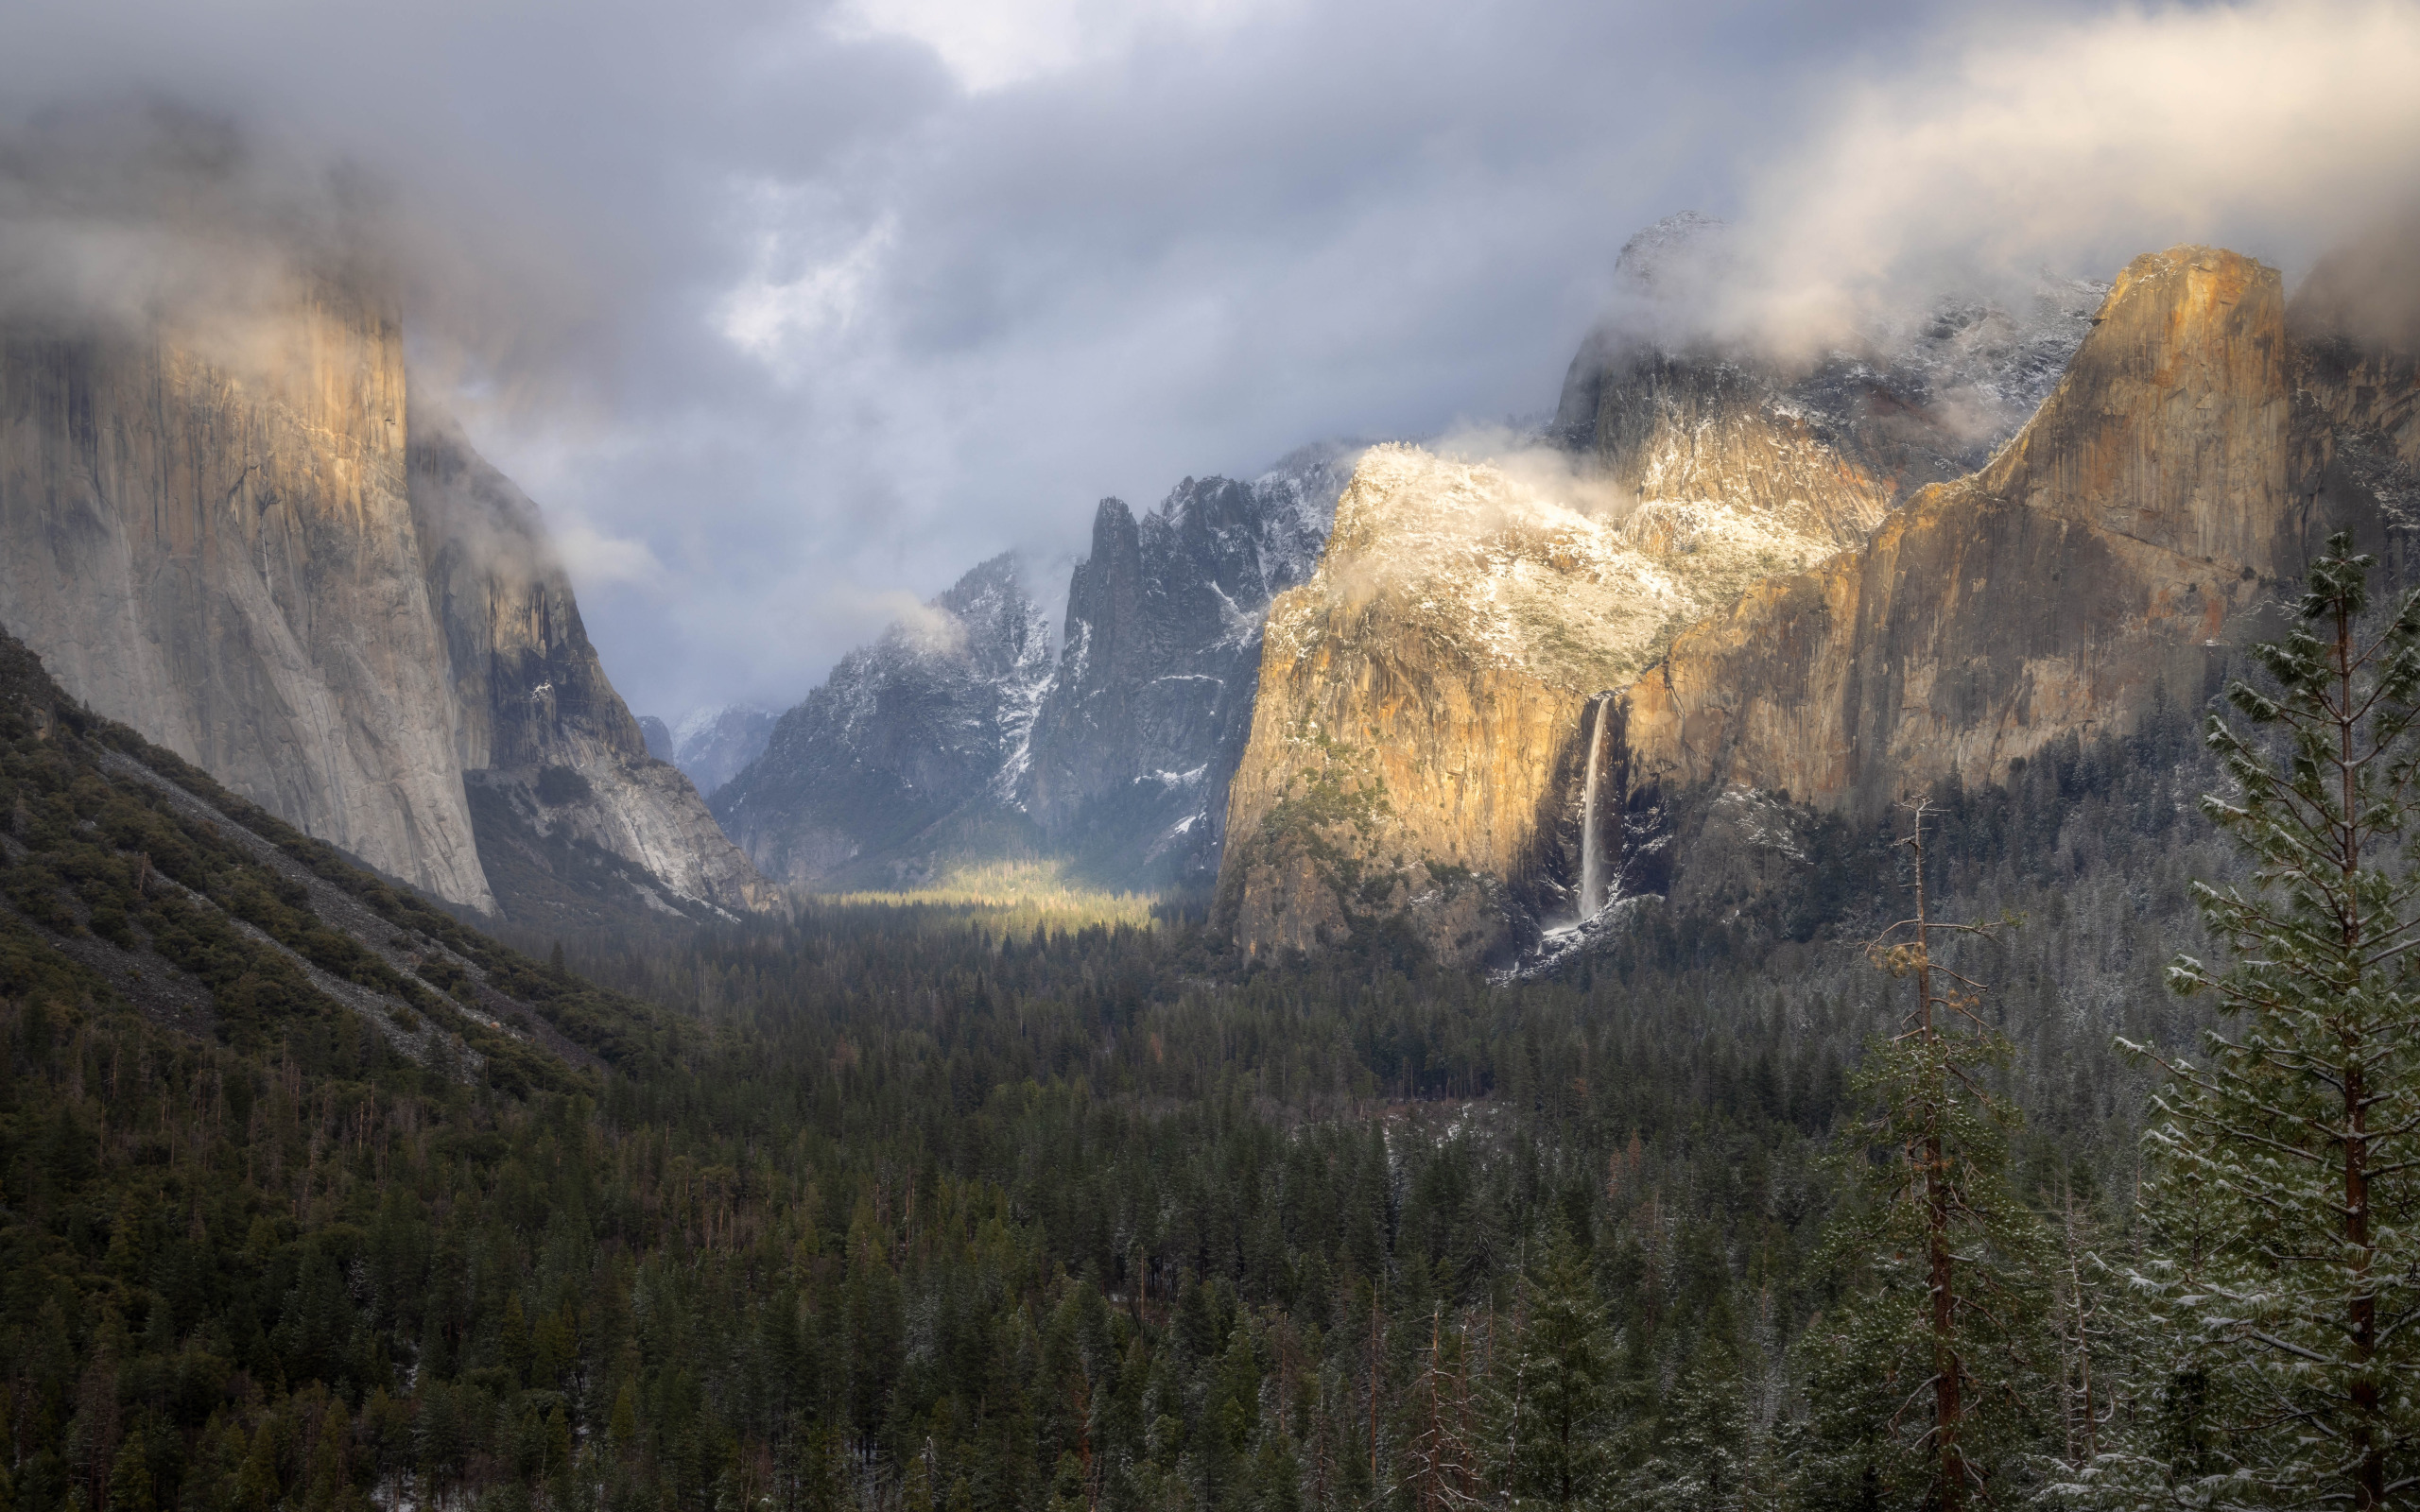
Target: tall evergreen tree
[2296,1136]
[1923,1373]
[1553,1403]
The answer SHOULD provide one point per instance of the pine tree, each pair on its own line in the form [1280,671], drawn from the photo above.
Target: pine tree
[1922,1374]
[1553,1429]
[1703,1445]
[130,1484]
[2296,1137]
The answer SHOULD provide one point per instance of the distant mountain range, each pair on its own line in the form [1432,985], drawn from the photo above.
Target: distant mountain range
[1481,704]
[962,737]
[711,745]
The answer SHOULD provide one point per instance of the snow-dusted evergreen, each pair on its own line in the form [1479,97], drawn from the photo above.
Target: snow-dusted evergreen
[2285,1171]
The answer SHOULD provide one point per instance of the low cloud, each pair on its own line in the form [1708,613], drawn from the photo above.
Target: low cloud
[592,557]
[1566,477]
[993,44]
[815,302]
[2274,127]
[2367,289]
[139,211]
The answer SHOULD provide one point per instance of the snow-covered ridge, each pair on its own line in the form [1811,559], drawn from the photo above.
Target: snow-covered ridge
[1483,559]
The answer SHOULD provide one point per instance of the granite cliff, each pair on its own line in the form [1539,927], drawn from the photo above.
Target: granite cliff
[574,815]
[1407,774]
[1149,710]
[222,555]
[2121,540]
[265,558]
[1417,737]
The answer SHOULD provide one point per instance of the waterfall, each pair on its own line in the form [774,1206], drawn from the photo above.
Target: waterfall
[1592,860]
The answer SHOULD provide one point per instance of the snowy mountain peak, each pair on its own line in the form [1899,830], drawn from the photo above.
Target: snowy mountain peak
[711,745]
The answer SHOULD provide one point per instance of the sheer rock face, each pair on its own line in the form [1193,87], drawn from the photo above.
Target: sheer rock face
[267,560]
[2121,542]
[1416,748]
[223,554]
[1148,715]
[2137,527]
[549,747]
[902,760]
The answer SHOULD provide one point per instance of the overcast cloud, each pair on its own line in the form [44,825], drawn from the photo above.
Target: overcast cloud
[785,311]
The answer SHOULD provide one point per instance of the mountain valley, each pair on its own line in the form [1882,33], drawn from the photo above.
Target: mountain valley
[1506,1077]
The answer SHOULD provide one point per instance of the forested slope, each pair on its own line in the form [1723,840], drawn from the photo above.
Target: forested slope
[870,1208]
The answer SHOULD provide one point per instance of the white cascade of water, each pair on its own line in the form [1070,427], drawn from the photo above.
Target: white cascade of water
[1592,861]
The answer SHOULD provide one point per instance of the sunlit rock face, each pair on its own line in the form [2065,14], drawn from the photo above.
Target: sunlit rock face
[1415,751]
[556,765]
[2120,542]
[219,549]
[256,551]
[905,759]
[1416,760]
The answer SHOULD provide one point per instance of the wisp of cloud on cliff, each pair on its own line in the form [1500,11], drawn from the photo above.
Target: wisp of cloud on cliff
[2276,127]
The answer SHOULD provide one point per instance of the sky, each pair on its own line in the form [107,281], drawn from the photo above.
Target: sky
[787,314]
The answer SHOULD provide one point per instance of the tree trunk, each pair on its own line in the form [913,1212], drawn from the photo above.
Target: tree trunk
[1947,1406]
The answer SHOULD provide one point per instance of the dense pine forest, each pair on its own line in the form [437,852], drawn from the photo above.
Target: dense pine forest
[901,1207]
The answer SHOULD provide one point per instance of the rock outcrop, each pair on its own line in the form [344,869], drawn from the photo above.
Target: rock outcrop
[220,552]
[263,557]
[905,759]
[958,739]
[2121,542]
[2141,524]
